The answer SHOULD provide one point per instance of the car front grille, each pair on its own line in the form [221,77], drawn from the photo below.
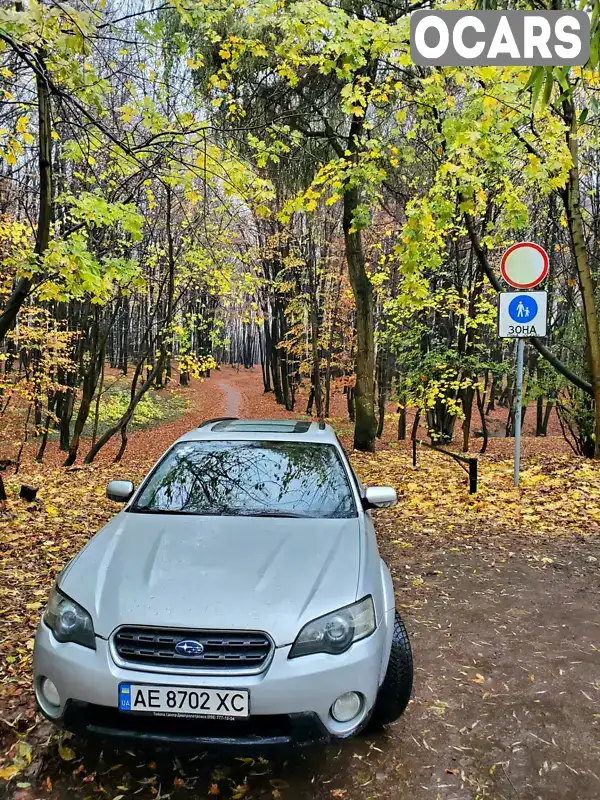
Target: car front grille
[225,650]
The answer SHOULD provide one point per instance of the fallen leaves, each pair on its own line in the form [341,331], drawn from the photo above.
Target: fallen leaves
[20,755]
[279,784]
[65,752]
[559,495]
[34,546]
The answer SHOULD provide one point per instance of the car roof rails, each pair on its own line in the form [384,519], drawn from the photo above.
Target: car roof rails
[262,426]
[216,419]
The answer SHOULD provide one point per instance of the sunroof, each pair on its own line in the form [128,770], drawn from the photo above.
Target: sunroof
[262,426]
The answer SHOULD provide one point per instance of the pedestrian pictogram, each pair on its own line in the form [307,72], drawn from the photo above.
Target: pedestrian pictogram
[523,308]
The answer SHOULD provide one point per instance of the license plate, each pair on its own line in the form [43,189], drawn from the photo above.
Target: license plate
[184,701]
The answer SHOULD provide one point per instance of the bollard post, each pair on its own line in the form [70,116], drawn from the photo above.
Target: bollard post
[472,475]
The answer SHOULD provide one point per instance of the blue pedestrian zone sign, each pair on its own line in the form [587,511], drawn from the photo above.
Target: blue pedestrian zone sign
[522,314]
[522,308]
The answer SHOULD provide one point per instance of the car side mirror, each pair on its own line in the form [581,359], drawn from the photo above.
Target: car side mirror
[379,497]
[120,491]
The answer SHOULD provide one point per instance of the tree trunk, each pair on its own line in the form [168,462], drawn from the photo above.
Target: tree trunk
[275,357]
[330,343]
[491,406]
[539,415]
[316,388]
[548,411]
[66,415]
[40,454]
[383,388]
[98,399]
[264,357]
[401,421]
[88,388]
[365,426]
[572,202]
[311,399]
[42,236]
[350,403]
[121,425]
[467,404]
[484,430]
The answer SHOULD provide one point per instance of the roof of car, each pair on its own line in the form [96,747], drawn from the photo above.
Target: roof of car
[266,429]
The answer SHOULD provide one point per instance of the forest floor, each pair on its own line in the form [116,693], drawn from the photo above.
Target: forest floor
[499,590]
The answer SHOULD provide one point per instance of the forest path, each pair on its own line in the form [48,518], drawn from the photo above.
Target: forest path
[232,399]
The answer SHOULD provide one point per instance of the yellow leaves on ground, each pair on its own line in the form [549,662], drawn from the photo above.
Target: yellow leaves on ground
[21,759]
[36,541]
[558,495]
[65,752]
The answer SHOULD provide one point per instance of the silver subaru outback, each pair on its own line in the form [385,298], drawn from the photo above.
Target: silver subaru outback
[238,598]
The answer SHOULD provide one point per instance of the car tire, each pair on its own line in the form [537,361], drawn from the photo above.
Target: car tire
[394,693]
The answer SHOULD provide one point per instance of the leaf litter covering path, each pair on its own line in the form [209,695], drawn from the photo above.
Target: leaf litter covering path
[500,593]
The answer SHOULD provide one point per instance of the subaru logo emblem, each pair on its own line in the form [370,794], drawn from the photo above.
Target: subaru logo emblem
[189,647]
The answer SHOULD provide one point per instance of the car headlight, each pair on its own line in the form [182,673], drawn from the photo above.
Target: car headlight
[68,621]
[335,632]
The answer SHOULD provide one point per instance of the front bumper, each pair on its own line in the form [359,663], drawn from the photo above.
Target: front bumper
[267,730]
[289,702]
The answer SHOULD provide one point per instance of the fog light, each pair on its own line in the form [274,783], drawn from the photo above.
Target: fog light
[346,707]
[50,692]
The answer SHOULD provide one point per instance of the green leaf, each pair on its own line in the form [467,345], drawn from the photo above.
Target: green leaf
[547,88]
[534,77]
[536,80]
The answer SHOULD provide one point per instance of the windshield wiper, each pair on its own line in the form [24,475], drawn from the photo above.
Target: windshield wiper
[216,512]
[269,513]
[179,511]
[149,510]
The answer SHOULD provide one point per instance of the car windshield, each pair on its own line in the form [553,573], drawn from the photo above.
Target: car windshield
[247,478]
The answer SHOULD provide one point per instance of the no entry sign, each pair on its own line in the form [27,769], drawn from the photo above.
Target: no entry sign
[524,265]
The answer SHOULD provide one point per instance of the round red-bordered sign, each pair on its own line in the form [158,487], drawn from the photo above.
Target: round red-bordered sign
[524,265]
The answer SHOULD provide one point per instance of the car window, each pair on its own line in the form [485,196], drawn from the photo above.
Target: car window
[249,478]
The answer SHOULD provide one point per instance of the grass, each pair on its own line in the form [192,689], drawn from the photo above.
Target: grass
[155,408]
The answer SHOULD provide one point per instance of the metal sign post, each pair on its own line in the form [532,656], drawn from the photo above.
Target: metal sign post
[522,314]
[518,406]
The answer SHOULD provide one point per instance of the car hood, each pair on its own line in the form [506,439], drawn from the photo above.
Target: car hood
[242,573]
